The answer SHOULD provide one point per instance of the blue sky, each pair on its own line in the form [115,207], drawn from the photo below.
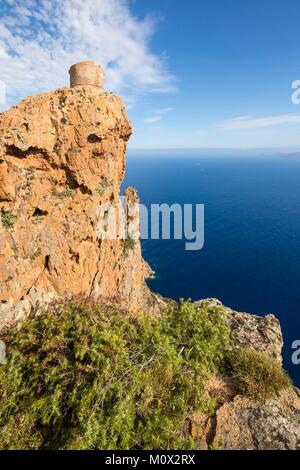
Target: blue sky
[198,73]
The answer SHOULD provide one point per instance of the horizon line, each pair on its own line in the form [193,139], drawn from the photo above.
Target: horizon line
[287,150]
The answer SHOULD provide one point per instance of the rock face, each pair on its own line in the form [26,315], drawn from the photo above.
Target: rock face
[62,161]
[242,423]
[247,425]
[251,331]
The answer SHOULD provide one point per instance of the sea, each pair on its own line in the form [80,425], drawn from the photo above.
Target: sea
[250,259]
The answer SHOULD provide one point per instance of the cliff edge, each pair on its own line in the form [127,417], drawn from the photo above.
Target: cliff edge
[62,159]
[62,162]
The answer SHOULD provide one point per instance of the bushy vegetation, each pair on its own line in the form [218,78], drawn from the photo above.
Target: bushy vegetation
[63,194]
[37,219]
[103,185]
[86,377]
[129,244]
[258,375]
[8,220]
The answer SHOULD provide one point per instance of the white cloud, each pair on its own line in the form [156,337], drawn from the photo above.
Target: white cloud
[152,119]
[248,122]
[41,39]
[164,110]
[158,115]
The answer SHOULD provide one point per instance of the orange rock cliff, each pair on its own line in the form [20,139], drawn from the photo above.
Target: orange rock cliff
[62,162]
[62,157]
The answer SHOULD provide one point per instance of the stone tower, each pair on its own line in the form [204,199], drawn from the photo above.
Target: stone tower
[86,73]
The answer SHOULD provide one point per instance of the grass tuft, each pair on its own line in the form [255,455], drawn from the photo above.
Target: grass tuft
[129,244]
[257,375]
[8,220]
[63,194]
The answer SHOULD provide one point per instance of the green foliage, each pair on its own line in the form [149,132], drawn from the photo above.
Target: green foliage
[37,219]
[258,375]
[129,244]
[8,220]
[63,194]
[214,446]
[88,377]
[36,254]
[62,101]
[102,187]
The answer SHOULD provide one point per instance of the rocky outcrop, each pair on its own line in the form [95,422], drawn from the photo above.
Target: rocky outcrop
[62,161]
[251,331]
[248,425]
[242,423]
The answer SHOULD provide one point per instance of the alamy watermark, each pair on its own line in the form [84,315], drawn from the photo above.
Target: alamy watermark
[296,344]
[296,94]
[160,221]
[296,353]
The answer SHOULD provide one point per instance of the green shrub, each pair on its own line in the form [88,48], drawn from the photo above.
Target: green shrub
[37,219]
[258,375]
[214,446]
[102,187]
[63,194]
[8,220]
[36,254]
[83,377]
[62,101]
[129,244]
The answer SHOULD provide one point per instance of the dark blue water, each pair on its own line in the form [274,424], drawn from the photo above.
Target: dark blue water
[251,257]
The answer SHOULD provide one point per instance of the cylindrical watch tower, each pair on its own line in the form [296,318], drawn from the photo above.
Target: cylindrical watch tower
[86,73]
